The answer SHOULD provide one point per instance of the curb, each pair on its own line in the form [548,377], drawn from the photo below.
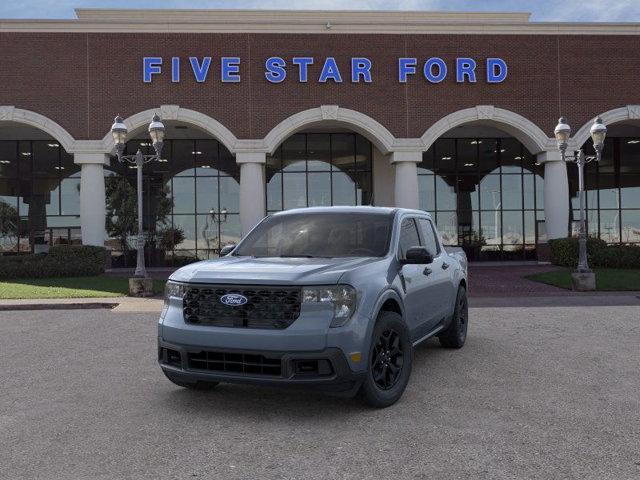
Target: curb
[58,306]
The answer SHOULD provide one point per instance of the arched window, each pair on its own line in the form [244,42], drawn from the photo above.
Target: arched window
[39,195]
[319,169]
[612,188]
[486,195]
[191,202]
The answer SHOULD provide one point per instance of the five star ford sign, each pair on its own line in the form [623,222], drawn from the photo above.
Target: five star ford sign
[361,69]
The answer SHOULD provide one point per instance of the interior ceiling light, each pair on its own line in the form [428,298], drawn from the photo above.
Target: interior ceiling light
[53,145]
[633,142]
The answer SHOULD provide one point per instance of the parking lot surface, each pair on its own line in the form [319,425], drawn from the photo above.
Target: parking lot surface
[536,393]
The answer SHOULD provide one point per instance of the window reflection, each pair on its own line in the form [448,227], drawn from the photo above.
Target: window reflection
[39,196]
[188,198]
[612,191]
[319,169]
[484,194]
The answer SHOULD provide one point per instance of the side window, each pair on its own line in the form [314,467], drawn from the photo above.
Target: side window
[429,235]
[408,236]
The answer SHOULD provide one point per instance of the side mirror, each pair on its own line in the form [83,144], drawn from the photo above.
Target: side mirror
[227,249]
[417,256]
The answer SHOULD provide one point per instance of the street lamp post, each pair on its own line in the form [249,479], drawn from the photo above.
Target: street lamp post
[583,278]
[156,132]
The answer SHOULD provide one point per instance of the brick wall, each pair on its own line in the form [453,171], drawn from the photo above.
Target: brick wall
[81,80]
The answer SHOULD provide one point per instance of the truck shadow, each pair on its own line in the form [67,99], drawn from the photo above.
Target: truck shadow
[296,404]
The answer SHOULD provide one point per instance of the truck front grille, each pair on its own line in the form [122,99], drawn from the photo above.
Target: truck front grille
[245,363]
[266,307]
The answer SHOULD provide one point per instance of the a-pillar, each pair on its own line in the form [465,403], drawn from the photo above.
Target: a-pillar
[252,188]
[556,194]
[406,182]
[92,197]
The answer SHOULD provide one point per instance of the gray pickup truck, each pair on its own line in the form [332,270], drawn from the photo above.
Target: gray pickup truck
[334,298]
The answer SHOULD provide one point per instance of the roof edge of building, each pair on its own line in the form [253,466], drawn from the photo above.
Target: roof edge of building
[310,21]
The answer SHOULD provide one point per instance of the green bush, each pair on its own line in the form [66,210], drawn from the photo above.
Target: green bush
[617,256]
[61,261]
[564,252]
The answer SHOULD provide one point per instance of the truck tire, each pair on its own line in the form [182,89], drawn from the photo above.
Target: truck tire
[390,357]
[190,385]
[456,333]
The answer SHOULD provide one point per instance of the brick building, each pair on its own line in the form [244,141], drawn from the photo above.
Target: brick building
[448,112]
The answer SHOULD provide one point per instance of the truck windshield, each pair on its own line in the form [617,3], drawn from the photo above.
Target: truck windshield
[320,235]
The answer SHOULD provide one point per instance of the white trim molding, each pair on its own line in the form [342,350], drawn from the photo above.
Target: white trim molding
[328,22]
[382,138]
[617,115]
[531,136]
[9,113]
[177,113]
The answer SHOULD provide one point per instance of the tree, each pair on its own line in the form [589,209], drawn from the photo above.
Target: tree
[9,222]
[122,210]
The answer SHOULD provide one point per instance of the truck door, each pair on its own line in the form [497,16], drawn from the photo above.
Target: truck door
[441,288]
[419,302]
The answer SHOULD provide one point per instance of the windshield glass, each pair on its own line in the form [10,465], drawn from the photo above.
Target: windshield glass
[320,235]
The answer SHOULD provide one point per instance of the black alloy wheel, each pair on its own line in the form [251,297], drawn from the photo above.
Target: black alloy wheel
[387,359]
[456,333]
[463,317]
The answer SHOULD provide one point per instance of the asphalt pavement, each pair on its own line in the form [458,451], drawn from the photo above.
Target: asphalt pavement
[544,393]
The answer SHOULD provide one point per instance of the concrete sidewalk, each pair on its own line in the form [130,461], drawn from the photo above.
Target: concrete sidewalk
[150,305]
[117,304]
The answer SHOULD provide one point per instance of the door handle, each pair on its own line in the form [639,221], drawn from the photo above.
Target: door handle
[445,265]
[427,271]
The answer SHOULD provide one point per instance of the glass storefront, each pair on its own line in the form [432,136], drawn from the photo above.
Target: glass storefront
[191,203]
[319,169]
[612,192]
[486,195]
[39,196]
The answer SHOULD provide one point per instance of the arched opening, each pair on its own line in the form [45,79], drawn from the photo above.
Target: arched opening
[39,190]
[326,156]
[191,198]
[485,190]
[320,167]
[612,187]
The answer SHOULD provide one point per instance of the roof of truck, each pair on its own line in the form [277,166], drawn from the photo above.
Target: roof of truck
[359,209]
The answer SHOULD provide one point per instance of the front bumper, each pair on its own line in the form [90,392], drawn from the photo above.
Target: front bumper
[327,370]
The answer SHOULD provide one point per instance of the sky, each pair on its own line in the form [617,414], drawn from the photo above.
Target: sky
[542,10]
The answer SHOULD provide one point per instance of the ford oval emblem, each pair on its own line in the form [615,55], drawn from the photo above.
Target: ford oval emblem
[233,299]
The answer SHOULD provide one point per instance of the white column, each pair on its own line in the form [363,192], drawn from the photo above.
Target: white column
[252,189]
[92,197]
[556,194]
[406,181]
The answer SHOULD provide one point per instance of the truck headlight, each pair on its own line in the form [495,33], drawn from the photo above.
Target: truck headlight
[175,290]
[343,298]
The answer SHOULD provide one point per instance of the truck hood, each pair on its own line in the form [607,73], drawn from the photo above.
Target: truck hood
[271,270]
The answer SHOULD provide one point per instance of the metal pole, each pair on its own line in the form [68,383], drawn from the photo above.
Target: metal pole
[140,267]
[583,265]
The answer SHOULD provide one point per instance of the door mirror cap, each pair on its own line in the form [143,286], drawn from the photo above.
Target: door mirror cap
[417,256]
[227,249]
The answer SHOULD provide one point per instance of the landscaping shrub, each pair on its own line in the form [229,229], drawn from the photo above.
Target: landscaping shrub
[564,252]
[620,256]
[61,261]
